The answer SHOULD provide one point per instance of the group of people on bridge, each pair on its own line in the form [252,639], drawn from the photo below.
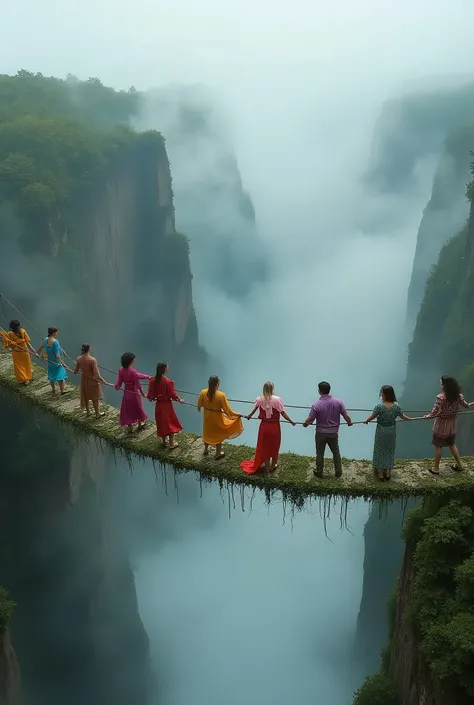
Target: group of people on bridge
[221,422]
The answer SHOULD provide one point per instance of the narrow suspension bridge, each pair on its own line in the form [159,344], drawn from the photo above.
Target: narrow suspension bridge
[294,476]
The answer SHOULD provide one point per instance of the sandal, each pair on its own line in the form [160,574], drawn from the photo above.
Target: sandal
[221,455]
[433,472]
[173,447]
[457,469]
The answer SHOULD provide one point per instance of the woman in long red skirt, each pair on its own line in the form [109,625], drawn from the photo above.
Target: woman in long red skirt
[270,409]
[161,390]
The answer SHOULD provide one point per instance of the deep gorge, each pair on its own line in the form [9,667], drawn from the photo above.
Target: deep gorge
[89,221]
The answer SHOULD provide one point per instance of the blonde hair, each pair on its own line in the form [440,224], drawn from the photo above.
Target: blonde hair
[268,389]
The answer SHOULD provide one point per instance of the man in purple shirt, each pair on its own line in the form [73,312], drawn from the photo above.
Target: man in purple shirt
[327,412]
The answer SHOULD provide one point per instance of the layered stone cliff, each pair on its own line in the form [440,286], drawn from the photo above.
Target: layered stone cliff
[10,681]
[410,670]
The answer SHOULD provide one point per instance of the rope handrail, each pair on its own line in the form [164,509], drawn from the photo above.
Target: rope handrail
[196,394]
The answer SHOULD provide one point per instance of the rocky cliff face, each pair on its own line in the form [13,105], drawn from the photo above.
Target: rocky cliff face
[383,557]
[443,217]
[10,682]
[410,671]
[213,207]
[66,563]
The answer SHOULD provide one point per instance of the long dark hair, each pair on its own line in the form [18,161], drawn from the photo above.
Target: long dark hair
[15,327]
[451,388]
[212,386]
[127,359]
[160,371]
[85,347]
[51,331]
[388,393]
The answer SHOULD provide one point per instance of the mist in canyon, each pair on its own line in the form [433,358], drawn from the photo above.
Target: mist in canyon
[259,608]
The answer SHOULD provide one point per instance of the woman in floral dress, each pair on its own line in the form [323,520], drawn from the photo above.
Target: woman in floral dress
[444,412]
[386,414]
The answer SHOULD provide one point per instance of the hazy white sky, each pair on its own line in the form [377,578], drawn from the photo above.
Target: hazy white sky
[224,42]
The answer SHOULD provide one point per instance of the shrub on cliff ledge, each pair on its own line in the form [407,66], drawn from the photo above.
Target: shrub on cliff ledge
[442,605]
[6,607]
[377,690]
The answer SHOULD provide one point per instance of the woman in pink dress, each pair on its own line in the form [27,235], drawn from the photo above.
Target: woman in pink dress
[270,408]
[444,412]
[131,409]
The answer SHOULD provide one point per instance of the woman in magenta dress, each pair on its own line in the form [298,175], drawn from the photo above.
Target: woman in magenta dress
[270,409]
[131,409]
[162,391]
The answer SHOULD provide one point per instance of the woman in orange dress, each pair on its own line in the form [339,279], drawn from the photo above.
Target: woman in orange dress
[91,381]
[220,422]
[270,409]
[161,390]
[19,341]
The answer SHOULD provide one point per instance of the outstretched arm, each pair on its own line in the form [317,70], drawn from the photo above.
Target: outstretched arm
[347,419]
[227,409]
[140,375]
[287,418]
[310,419]
[249,416]
[77,367]
[435,410]
[40,349]
[369,418]
[119,381]
[405,417]
[172,392]
[31,349]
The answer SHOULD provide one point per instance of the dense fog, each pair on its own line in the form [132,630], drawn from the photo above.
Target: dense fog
[255,608]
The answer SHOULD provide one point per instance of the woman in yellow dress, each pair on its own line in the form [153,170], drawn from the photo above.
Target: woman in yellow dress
[219,423]
[19,341]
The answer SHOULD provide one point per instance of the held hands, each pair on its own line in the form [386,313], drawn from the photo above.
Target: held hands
[366,421]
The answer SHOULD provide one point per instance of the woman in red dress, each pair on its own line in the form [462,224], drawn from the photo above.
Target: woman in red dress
[161,390]
[269,434]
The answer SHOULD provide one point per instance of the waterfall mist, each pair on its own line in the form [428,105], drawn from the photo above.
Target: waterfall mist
[248,610]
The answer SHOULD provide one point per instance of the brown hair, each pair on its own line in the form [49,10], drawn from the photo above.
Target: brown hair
[212,386]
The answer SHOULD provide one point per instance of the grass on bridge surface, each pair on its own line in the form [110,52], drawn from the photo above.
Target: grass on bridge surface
[294,476]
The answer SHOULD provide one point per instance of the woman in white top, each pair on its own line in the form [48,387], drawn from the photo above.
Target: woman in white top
[270,409]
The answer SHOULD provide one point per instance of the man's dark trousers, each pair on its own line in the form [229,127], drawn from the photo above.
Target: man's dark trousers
[332,440]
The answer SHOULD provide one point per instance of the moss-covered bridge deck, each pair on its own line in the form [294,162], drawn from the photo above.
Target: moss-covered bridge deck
[294,477]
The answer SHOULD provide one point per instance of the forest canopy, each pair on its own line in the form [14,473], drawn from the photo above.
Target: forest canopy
[58,138]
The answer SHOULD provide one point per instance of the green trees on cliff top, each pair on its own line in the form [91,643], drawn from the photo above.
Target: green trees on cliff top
[58,138]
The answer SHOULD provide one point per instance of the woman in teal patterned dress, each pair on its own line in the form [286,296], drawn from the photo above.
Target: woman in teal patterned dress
[386,414]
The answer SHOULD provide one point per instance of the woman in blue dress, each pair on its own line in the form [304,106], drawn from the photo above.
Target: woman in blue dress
[53,352]
[386,414]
